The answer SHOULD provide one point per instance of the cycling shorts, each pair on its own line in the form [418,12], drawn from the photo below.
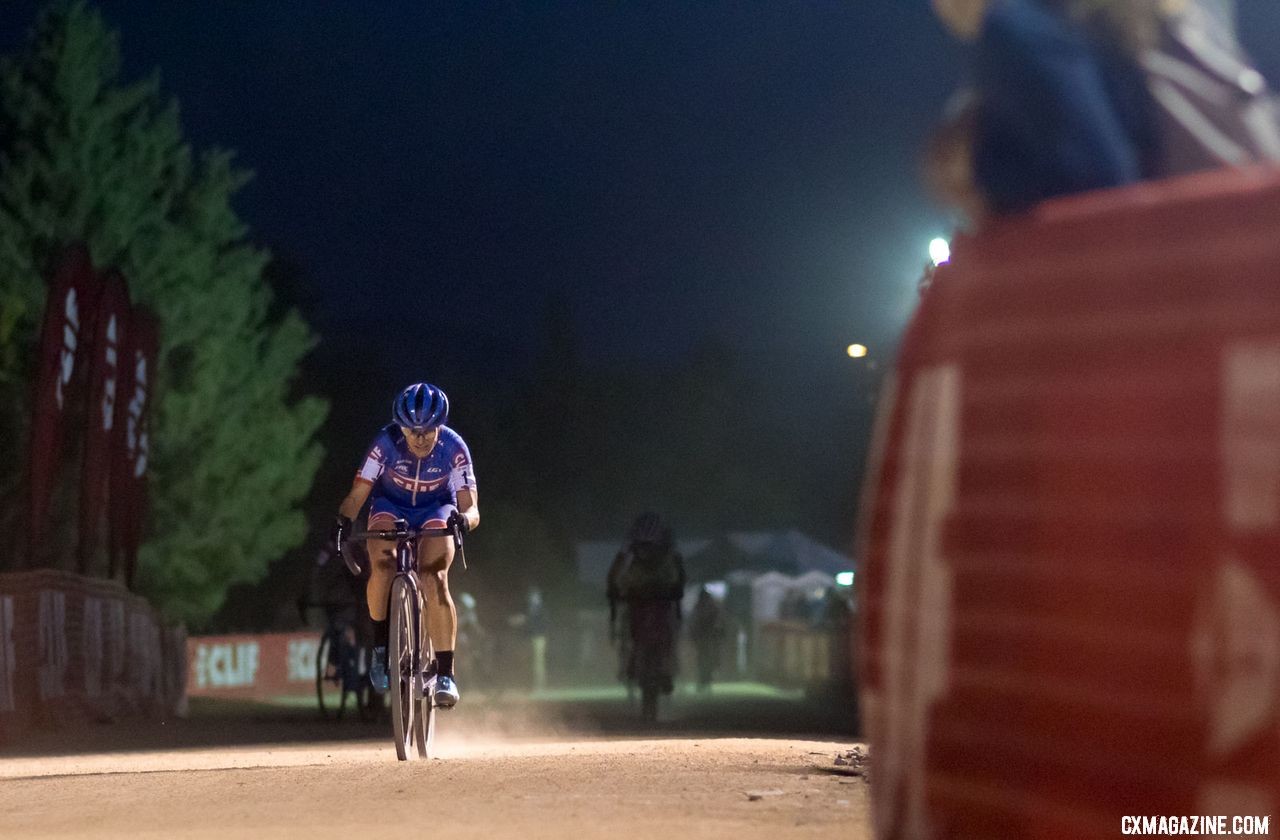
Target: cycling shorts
[383,512]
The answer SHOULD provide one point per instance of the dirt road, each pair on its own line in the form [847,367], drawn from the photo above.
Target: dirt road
[487,783]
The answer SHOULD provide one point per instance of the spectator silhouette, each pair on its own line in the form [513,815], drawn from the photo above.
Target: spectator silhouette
[1076,95]
[706,630]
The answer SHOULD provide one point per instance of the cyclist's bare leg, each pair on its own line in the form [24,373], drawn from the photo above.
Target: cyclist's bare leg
[435,555]
[382,569]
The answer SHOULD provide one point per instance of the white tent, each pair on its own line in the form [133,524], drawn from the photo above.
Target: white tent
[768,591]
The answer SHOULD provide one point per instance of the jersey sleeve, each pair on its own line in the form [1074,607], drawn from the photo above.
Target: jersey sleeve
[462,473]
[375,460]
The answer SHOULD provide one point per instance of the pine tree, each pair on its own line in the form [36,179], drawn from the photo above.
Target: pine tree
[87,157]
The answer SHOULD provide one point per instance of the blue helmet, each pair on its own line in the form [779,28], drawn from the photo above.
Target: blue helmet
[420,406]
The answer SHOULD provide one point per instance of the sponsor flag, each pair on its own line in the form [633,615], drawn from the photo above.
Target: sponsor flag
[128,494]
[72,299]
[102,431]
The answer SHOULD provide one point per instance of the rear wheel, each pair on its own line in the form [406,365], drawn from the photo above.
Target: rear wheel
[329,694]
[371,704]
[426,722]
[649,675]
[649,702]
[402,667]
[427,716]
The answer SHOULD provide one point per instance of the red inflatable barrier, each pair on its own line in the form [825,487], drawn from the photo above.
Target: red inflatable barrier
[1070,596]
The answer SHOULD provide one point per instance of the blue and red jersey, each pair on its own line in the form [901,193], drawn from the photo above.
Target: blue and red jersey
[410,482]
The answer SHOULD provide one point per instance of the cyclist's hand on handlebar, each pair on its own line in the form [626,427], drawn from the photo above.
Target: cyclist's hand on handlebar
[342,530]
[339,533]
[459,521]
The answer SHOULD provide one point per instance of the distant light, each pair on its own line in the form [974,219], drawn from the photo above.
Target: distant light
[844,579]
[939,251]
[857,351]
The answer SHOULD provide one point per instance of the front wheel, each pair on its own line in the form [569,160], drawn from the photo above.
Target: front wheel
[402,666]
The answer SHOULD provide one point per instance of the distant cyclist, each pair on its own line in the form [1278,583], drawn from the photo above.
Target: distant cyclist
[419,470]
[648,577]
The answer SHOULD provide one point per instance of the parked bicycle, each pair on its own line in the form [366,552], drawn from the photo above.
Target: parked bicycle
[410,658]
[342,671]
[342,662]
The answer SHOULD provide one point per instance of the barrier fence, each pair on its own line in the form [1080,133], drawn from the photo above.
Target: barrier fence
[275,665]
[75,648]
[798,655]
[252,667]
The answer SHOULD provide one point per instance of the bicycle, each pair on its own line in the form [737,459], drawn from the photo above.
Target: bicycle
[340,646]
[654,633]
[350,679]
[410,658]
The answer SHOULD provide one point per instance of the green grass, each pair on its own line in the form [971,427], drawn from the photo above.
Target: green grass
[218,707]
[720,691]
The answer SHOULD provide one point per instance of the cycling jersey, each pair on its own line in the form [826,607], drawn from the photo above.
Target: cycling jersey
[413,483]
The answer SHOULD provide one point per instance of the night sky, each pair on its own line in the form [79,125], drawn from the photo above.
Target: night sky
[436,172]
[673,168]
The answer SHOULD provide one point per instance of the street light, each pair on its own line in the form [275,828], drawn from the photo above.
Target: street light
[939,251]
[857,351]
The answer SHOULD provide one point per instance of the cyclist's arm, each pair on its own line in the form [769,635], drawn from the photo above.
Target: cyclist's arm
[468,508]
[355,500]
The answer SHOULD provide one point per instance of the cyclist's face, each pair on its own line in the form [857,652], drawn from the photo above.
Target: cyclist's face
[421,441]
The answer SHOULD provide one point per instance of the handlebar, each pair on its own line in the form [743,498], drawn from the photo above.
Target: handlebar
[406,533]
[403,532]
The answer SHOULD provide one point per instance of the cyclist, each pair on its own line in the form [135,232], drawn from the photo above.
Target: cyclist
[706,629]
[648,577]
[419,470]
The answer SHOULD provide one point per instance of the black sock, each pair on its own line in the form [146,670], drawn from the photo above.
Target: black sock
[444,659]
[381,633]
